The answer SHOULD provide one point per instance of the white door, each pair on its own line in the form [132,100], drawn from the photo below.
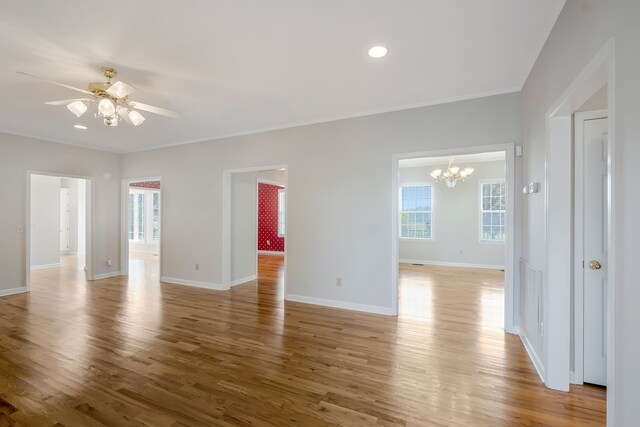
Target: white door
[64,219]
[595,251]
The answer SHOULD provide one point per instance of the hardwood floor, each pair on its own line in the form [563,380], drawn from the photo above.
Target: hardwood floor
[136,352]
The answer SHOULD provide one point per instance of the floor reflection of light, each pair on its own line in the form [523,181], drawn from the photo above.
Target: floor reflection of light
[416,300]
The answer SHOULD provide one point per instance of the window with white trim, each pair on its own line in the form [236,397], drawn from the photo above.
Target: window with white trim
[492,211]
[416,221]
[281,210]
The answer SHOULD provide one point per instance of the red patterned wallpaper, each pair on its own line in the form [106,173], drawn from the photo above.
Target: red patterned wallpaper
[145,184]
[268,219]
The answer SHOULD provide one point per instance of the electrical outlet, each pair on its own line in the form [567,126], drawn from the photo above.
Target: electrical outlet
[197,267]
[109,262]
[339,282]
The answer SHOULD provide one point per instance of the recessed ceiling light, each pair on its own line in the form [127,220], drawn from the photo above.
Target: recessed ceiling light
[80,127]
[378,51]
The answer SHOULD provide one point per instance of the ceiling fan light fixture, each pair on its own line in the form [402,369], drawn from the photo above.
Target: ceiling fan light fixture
[136,118]
[111,121]
[77,107]
[106,107]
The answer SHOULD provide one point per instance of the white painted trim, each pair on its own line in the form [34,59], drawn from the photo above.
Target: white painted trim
[244,280]
[511,280]
[124,221]
[107,275]
[600,69]
[275,253]
[340,304]
[535,359]
[13,291]
[577,376]
[194,283]
[45,266]
[89,208]
[452,264]
[226,218]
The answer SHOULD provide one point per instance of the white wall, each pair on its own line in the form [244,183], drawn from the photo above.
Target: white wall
[339,192]
[243,226]
[45,221]
[82,217]
[19,155]
[72,185]
[456,219]
[583,28]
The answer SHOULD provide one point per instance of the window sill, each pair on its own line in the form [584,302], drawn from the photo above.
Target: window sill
[492,242]
[417,238]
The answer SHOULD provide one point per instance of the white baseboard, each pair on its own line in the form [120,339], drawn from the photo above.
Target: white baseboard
[533,356]
[13,291]
[45,266]
[107,275]
[340,304]
[244,280]
[270,253]
[452,264]
[194,283]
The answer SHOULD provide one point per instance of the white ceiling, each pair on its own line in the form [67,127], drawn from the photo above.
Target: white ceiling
[458,160]
[240,66]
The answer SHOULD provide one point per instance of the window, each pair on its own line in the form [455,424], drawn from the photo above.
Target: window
[492,210]
[416,218]
[155,216]
[144,215]
[136,215]
[281,210]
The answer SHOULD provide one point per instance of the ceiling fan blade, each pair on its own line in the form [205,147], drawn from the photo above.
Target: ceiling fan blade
[55,83]
[66,101]
[155,110]
[120,89]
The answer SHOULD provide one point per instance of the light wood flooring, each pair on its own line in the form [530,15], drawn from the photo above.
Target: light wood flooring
[133,351]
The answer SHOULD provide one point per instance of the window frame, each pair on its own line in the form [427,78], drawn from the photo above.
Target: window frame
[282,215]
[431,212]
[482,211]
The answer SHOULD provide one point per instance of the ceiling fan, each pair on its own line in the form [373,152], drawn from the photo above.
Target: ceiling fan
[112,100]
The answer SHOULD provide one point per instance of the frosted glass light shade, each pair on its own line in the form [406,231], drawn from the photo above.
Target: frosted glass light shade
[77,107]
[106,107]
[136,118]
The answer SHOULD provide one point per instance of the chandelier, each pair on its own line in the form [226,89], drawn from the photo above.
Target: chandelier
[452,175]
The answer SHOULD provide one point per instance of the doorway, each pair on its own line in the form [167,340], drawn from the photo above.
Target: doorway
[58,226]
[254,230]
[452,219]
[561,290]
[142,220]
[590,246]
[417,226]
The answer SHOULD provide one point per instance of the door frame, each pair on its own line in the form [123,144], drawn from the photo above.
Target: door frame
[124,221]
[89,207]
[226,220]
[510,294]
[558,222]
[578,241]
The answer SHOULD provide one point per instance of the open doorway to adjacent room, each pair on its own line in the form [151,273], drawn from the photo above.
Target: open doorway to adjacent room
[453,226]
[143,228]
[59,221]
[256,215]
